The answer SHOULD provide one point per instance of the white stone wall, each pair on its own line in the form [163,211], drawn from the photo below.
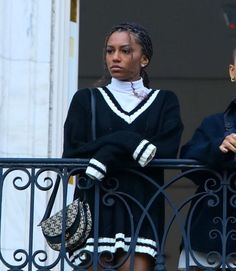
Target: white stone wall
[25,30]
[36,85]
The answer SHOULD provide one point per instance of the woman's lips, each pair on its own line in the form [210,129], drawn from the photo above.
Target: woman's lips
[115,68]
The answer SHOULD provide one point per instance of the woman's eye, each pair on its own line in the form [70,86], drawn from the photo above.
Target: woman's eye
[126,51]
[108,50]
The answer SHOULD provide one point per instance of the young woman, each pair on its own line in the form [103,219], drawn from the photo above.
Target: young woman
[213,142]
[133,123]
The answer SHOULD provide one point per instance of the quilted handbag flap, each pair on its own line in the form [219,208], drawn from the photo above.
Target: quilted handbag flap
[52,227]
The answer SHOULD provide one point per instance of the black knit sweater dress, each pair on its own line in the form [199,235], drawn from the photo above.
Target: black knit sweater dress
[152,129]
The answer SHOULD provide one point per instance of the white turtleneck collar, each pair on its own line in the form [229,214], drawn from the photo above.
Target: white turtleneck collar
[128,94]
[127,86]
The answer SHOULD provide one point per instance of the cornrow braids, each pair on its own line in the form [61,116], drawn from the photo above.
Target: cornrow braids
[141,34]
[143,39]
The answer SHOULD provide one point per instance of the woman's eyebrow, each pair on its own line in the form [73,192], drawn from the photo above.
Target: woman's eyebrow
[122,45]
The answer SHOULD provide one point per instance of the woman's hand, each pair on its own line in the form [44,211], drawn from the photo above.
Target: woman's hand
[228,144]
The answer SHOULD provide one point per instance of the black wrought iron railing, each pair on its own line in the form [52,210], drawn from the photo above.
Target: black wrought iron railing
[25,186]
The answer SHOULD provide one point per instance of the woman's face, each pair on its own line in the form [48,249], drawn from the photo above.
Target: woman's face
[232,70]
[124,57]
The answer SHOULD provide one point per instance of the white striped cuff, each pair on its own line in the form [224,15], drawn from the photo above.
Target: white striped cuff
[95,169]
[147,151]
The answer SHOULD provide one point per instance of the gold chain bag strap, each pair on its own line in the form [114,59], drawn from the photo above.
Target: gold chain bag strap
[78,214]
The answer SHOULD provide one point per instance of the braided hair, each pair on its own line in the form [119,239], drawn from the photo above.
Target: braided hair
[142,38]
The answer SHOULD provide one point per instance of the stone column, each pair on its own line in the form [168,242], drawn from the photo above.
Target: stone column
[38,76]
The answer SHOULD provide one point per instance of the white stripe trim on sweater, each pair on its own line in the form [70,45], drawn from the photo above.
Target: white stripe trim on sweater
[92,172]
[112,244]
[125,117]
[147,155]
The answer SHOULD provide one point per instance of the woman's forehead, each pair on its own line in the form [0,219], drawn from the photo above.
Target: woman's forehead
[121,37]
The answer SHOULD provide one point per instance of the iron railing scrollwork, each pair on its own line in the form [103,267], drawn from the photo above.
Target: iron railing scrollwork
[25,185]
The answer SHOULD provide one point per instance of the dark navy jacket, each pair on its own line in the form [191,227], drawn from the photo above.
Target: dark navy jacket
[204,147]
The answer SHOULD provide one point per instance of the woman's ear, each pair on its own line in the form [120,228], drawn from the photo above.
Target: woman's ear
[232,73]
[144,61]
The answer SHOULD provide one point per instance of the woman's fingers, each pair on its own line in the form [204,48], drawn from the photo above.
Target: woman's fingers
[229,144]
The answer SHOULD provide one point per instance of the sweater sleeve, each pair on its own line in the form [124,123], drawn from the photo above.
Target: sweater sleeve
[131,143]
[204,145]
[102,160]
[170,127]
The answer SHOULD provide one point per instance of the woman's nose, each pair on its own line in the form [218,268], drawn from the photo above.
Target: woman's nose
[116,56]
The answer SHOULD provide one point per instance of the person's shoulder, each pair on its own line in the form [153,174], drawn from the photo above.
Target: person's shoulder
[82,94]
[81,97]
[213,121]
[215,116]
[167,93]
[168,96]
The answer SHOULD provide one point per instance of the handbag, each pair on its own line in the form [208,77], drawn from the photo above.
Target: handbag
[78,217]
